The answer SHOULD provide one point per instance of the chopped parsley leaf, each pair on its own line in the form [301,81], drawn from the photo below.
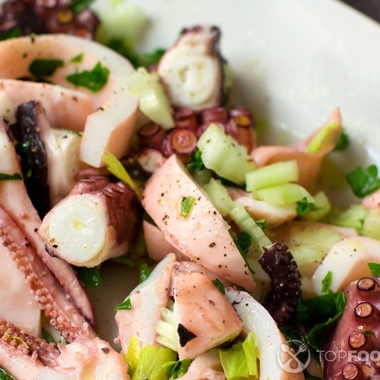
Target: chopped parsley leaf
[44,67]
[78,6]
[219,285]
[195,161]
[4,375]
[145,272]
[326,282]
[177,368]
[137,60]
[10,177]
[304,206]
[262,223]
[375,269]
[78,58]
[187,204]
[11,33]
[94,79]
[90,277]
[342,143]
[126,305]
[363,181]
[244,242]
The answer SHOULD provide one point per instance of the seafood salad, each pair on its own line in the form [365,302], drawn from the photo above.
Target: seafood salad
[246,268]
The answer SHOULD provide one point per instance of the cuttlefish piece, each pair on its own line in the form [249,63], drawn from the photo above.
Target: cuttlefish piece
[348,261]
[202,314]
[203,235]
[309,163]
[65,108]
[148,299]
[110,126]
[16,203]
[271,343]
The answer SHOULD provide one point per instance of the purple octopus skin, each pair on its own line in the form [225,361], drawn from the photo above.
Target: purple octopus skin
[352,351]
[285,288]
[19,211]
[39,17]
[26,132]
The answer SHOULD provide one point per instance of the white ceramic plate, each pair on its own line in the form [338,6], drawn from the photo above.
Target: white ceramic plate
[294,61]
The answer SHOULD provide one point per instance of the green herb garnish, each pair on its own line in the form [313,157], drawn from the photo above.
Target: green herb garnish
[126,50]
[187,204]
[46,335]
[44,67]
[10,177]
[363,181]
[375,269]
[4,375]
[326,282]
[342,143]
[262,223]
[319,312]
[94,80]
[90,277]
[304,206]
[145,272]
[219,285]
[195,161]
[177,368]
[11,33]
[78,58]
[126,305]
[77,6]
[244,241]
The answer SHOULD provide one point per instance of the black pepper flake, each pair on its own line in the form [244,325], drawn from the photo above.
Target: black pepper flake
[106,350]
[25,55]
[55,246]
[75,98]
[184,334]
[213,244]
[100,109]
[5,120]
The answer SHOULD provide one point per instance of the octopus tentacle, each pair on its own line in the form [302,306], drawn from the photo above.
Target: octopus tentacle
[49,293]
[355,342]
[27,344]
[27,220]
[285,290]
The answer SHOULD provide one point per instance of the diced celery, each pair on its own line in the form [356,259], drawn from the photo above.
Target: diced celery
[324,138]
[153,101]
[133,355]
[121,21]
[283,194]
[371,225]
[166,329]
[272,175]
[222,154]
[219,196]
[150,365]
[241,360]
[352,217]
[245,222]
[323,208]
